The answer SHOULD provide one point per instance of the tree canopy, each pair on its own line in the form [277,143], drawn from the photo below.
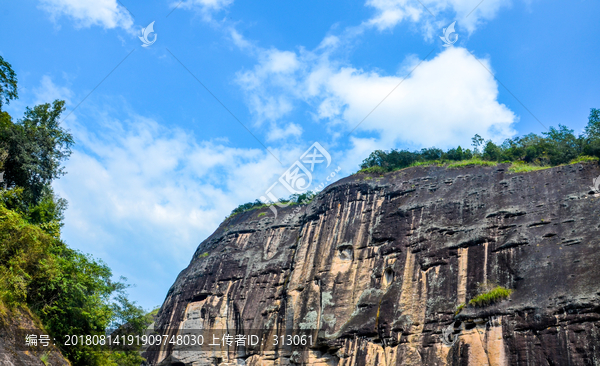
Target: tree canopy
[8,83]
[36,146]
[554,147]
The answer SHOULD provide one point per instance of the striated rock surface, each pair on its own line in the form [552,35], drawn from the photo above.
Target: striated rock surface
[377,266]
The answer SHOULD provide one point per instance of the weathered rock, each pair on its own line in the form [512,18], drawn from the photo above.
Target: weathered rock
[13,324]
[378,265]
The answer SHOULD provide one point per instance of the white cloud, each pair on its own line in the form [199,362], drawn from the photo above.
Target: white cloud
[392,12]
[161,182]
[142,196]
[444,102]
[469,13]
[277,133]
[47,92]
[275,68]
[441,102]
[206,7]
[106,13]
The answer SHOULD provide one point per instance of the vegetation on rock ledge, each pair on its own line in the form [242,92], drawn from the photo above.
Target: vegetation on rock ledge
[488,295]
[527,153]
[294,199]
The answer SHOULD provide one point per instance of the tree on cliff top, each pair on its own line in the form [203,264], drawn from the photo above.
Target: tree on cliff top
[554,147]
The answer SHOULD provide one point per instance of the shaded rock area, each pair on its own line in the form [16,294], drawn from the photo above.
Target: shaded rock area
[13,324]
[377,265]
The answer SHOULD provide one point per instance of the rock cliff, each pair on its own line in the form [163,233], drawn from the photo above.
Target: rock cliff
[14,325]
[377,265]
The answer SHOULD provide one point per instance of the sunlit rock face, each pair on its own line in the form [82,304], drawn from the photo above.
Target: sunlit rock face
[376,267]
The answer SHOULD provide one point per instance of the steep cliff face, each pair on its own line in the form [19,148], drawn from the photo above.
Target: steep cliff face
[378,265]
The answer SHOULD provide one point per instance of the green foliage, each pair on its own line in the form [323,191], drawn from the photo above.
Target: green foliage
[383,161]
[294,199]
[522,167]
[477,142]
[584,159]
[386,161]
[247,207]
[24,256]
[470,162]
[491,296]
[48,214]
[70,292]
[8,83]
[428,163]
[459,309]
[44,358]
[36,147]
[373,170]
[124,358]
[300,199]
[555,147]
[203,255]
[262,214]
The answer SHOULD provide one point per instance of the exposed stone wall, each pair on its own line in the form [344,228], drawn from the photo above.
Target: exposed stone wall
[378,265]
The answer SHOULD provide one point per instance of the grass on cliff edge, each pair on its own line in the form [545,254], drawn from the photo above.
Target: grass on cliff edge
[496,294]
[486,298]
[522,167]
[474,161]
[516,167]
[440,163]
[294,199]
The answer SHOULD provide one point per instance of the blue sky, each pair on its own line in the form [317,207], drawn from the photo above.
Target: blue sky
[159,162]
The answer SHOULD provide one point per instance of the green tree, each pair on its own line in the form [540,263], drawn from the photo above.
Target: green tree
[36,147]
[592,130]
[492,152]
[592,134]
[8,83]
[432,153]
[72,293]
[477,142]
[561,145]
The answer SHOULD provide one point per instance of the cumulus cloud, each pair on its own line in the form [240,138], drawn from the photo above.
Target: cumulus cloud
[142,196]
[161,182]
[469,13]
[444,101]
[441,102]
[105,13]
